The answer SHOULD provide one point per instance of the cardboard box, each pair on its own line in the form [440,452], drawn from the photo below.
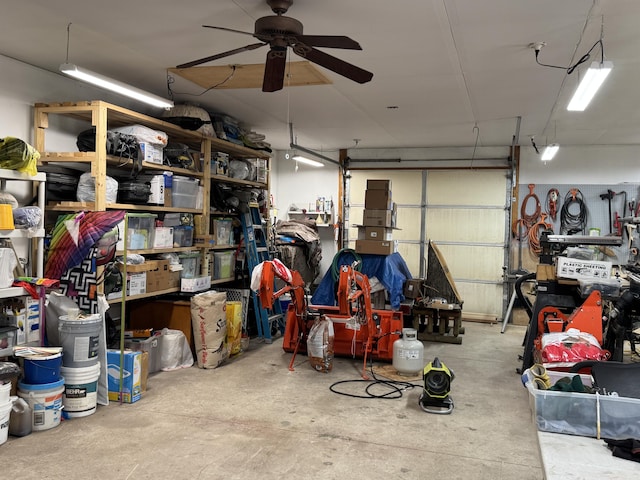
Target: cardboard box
[375,247]
[575,268]
[151,153]
[379,218]
[163,237]
[197,284]
[378,200]
[158,278]
[374,233]
[132,376]
[174,279]
[136,283]
[378,184]
[413,288]
[204,240]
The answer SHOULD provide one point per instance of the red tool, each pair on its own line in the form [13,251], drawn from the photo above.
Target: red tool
[359,330]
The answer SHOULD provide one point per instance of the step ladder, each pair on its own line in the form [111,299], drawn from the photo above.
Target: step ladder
[257,251]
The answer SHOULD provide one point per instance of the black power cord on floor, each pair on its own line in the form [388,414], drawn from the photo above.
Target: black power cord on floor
[395,387]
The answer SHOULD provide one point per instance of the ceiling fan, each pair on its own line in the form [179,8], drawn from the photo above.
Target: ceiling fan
[280,32]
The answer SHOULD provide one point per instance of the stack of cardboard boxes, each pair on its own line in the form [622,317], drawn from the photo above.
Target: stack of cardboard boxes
[375,235]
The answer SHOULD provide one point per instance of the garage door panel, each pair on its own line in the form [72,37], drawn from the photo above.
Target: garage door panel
[480,298]
[407,223]
[473,262]
[475,187]
[470,225]
[406,185]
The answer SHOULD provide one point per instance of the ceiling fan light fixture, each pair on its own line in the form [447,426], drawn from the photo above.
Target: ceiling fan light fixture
[549,152]
[591,82]
[308,161]
[114,85]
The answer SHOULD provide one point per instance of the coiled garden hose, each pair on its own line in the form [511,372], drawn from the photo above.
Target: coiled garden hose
[335,264]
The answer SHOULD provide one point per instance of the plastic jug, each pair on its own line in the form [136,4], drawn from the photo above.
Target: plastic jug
[20,422]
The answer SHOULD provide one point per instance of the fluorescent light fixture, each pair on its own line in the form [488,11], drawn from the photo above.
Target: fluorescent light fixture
[591,82]
[114,85]
[308,161]
[549,152]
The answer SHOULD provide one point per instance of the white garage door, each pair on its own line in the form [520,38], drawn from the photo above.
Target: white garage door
[463,212]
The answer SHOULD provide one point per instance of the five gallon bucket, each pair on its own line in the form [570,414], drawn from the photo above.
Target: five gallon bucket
[5,412]
[5,392]
[45,402]
[42,369]
[80,340]
[80,390]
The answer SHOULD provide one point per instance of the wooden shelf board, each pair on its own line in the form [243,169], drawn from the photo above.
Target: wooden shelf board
[237,181]
[150,251]
[76,206]
[145,295]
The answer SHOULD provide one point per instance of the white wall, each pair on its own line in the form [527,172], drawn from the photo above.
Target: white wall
[302,187]
[593,164]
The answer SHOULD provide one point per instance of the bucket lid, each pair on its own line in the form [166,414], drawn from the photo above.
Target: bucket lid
[41,386]
[94,318]
[43,356]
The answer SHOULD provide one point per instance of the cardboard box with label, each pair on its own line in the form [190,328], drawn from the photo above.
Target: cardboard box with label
[374,233]
[197,284]
[131,376]
[378,200]
[163,237]
[379,218]
[151,153]
[413,288]
[375,247]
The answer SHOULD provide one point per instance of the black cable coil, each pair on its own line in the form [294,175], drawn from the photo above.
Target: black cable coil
[571,223]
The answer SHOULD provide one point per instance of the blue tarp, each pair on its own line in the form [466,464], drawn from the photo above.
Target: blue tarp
[391,270]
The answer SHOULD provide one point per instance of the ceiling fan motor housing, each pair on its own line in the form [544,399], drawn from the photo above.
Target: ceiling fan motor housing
[268,27]
[279,6]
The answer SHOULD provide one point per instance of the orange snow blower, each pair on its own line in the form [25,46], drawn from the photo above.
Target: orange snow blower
[359,330]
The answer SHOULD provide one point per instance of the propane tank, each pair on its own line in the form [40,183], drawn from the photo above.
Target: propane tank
[408,353]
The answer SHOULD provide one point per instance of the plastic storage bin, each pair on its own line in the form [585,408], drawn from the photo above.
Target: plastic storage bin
[153,345]
[184,192]
[578,413]
[190,265]
[7,340]
[183,236]
[222,265]
[140,232]
[222,230]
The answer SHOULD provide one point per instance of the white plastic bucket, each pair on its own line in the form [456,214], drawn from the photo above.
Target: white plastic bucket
[5,392]
[80,390]
[5,412]
[45,401]
[80,340]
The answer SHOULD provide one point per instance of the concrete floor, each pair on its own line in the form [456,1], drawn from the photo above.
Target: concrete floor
[253,418]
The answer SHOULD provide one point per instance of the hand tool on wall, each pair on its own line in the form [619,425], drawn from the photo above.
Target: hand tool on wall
[609,196]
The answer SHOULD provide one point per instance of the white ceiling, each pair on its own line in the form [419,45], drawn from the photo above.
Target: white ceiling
[447,65]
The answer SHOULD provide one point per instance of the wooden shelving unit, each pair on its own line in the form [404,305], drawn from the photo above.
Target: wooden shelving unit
[105,116]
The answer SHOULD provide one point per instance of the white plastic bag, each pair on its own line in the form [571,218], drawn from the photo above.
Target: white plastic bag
[87,189]
[320,345]
[176,352]
[8,262]
[144,134]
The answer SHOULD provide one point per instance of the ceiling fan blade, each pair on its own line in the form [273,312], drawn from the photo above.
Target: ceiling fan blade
[228,29]
[334,64]
[246,48]
[329,41]
[274,70]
